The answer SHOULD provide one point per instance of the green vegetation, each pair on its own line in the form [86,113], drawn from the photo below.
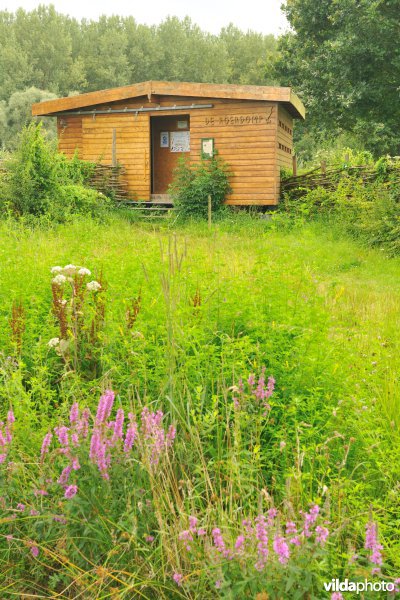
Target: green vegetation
[364,201]
[353,99]
[193,184]
[40,182]
[187,314]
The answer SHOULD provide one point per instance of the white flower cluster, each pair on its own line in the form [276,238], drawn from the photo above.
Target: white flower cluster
[54,342]
[63,274]
[93,286]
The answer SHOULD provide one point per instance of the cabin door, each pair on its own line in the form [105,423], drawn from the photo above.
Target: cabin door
[170,139]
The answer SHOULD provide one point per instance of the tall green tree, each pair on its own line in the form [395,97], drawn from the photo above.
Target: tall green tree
[16,113]
[343,58]
[251,56]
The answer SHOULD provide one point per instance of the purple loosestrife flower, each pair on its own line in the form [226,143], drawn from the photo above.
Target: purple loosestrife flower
[272,514]
[35,551]
[21,507]
[295,541]
[322,534]
[201,532]
[171,435]
[291,528]
[8,434]
[34,513]
[262,546]
[3,441]
[62,434]
[259,393]
[309,519]
[220,544]
[82,426]
[63,479]
[177,577]
[71,491]
[74,439]
[193,523]
[45,445]
[239,543]
[60,519]
[103,460]
[131,433]
[337,596]
[118,425]
[251,381]
[372,543]
[74,414]
[94,445]
[186,536]
[248,528]
[10,417]
[281,549]
[270,386]
[105,406]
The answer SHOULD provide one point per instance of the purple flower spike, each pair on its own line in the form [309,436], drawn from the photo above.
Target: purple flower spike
[281,549]
[46,444]
[105,406]
[71,491]
[118,425]
[372,543]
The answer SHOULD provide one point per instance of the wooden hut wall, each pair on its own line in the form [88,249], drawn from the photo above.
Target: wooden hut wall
[284,138]
[246,134]
[69,131]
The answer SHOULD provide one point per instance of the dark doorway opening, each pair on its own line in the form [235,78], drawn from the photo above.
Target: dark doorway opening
[170,139]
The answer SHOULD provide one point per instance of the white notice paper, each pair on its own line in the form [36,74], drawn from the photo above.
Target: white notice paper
[180,141]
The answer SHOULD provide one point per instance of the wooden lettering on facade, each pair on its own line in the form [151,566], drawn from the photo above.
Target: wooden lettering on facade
[238,120]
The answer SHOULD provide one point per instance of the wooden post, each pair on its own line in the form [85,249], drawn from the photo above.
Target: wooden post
[209,212]
[323,166]
[114,148]
[294,159]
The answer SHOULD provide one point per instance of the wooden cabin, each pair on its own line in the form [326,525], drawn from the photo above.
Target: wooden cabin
[146,126]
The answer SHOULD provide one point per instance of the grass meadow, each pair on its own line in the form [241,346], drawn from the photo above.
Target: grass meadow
[273,354]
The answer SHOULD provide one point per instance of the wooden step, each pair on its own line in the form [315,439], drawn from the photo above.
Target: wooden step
[161,199]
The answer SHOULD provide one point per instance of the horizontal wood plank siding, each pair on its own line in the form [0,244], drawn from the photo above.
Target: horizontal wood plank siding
[132,147]
[284,149]
[69,132]
[247,135]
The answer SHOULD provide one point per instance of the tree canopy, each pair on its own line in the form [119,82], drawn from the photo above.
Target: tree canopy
[340,56]
[343,59]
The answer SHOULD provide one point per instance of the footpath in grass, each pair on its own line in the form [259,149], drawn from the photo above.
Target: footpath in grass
[188,313]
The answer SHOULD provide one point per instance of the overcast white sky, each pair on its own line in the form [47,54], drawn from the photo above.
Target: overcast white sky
[263,16]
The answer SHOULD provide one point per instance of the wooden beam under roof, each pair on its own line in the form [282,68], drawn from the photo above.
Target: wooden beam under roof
[168,88]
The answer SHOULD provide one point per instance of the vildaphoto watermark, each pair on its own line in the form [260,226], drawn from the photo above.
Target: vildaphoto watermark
[335,585]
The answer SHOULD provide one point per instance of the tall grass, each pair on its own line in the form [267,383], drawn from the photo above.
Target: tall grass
[318,311]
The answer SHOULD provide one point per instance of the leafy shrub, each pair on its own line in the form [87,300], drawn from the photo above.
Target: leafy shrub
[39,181]
[194,183]
[32,177]
[369,212]
[78,199]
